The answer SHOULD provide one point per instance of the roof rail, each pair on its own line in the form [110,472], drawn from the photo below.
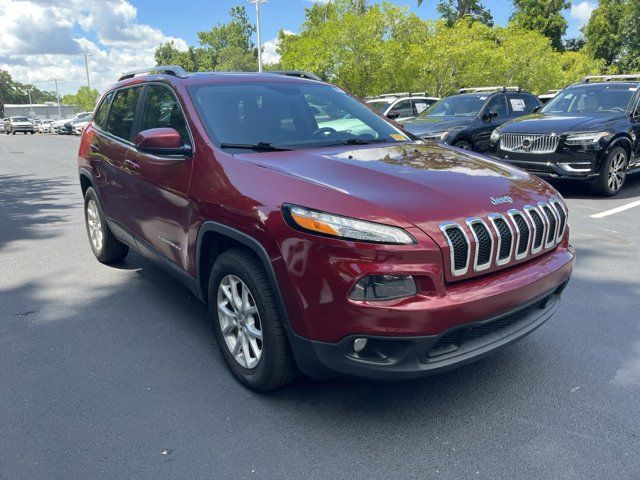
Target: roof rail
[175,70]
[611,78]
[489,89]
[403,94]
[297,73]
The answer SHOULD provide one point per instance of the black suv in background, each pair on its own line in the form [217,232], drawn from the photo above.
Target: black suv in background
[466,120]
[589,131]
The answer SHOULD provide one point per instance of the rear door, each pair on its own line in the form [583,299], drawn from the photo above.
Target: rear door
[522,104]
[160,183]
[110,145]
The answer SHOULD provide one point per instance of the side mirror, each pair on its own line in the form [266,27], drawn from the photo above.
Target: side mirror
[537,109]
[161,141]
[490,115]
[393,115]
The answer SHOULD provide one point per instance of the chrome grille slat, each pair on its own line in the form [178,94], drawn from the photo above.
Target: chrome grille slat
[529,143]
[499,239]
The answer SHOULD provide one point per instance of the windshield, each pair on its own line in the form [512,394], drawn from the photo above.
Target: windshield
[592,99]
[378,105]
[19,119]
[457,106]
[287,115]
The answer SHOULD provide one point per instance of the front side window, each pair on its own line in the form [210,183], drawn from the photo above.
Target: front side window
[592,99]
[100,117]
[162,110]
[403,108]
[122,112]
[288,115]
[497,105]
[466,105]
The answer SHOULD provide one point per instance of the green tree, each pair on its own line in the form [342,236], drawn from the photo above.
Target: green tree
[226,46]
[603,33]
[630,31]
[16,92]
[454,10]
[84,99]
[544,16]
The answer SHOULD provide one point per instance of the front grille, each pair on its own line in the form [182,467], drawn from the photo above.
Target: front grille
[454,340]
[523,143]
[459,245]
[500,240]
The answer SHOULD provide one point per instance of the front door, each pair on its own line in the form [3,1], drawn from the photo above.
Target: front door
[163,210]
[497,106]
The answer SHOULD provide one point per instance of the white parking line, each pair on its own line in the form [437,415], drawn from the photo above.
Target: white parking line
[613,211]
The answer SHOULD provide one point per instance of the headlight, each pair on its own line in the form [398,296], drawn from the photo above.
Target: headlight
[585,138]
[495,136]
[323,223]
[437,136]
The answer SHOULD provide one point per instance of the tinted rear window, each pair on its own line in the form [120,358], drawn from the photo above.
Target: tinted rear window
[122,111]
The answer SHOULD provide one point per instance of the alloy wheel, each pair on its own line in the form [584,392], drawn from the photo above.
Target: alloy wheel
[240,321]
[94,225]
[617,172]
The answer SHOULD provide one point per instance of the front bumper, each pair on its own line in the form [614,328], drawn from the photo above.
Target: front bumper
[410,357]
[567,162]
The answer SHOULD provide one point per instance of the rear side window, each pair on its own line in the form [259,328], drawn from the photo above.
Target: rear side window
[162,110]
[522,102]
[122,112]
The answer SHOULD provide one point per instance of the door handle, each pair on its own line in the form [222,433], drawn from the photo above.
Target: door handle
[95,147]
[131,164]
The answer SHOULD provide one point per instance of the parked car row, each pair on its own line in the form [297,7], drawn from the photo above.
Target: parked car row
[589,131]
[66,126]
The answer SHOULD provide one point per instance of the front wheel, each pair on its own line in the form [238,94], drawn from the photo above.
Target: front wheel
[613,173]
[463,144]
[247,322]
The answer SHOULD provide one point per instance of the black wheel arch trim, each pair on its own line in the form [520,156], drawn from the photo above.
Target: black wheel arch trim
[256,247]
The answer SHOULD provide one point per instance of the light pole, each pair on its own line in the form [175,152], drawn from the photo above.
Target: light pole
[58,96]
[30,102]
[86,67]
[257,4]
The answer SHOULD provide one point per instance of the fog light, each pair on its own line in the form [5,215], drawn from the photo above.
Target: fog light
[383,287]
[359,344]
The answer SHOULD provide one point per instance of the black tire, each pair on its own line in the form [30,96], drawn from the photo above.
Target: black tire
[275,366]
[111,250]
[613,173]
[13,133]
[463,144]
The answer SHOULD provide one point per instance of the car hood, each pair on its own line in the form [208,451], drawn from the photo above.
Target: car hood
[554,123]
[424,183]
[427,124]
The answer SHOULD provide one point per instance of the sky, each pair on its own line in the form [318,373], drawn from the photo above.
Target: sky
[43,40]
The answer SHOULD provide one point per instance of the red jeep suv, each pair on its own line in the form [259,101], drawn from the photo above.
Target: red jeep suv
[323,238]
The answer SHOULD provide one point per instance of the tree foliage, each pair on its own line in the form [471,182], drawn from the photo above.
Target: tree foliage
[225,47]
[603,33]
[16,92]
[84,99]
[386,48]
[544,16]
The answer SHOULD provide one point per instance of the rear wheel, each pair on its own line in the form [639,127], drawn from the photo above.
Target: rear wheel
[613,173]
[106,247]
[248,324]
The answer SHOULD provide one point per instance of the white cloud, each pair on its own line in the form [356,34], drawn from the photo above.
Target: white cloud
[269,54]
[40,41]
[582,11]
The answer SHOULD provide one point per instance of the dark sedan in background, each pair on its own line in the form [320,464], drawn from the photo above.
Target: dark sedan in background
[466,120]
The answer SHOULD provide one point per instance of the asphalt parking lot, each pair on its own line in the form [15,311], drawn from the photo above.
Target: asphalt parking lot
[112,373]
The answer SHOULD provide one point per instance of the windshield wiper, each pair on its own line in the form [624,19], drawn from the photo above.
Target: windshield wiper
[258,147]
[356,141]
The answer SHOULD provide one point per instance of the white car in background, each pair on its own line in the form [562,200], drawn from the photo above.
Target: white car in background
[58,125]
[79,127]
[45,126]
[401,106]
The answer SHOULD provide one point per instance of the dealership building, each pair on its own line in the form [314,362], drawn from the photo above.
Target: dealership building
[41,111]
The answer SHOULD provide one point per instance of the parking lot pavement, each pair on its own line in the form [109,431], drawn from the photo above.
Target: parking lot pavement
[112,373]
